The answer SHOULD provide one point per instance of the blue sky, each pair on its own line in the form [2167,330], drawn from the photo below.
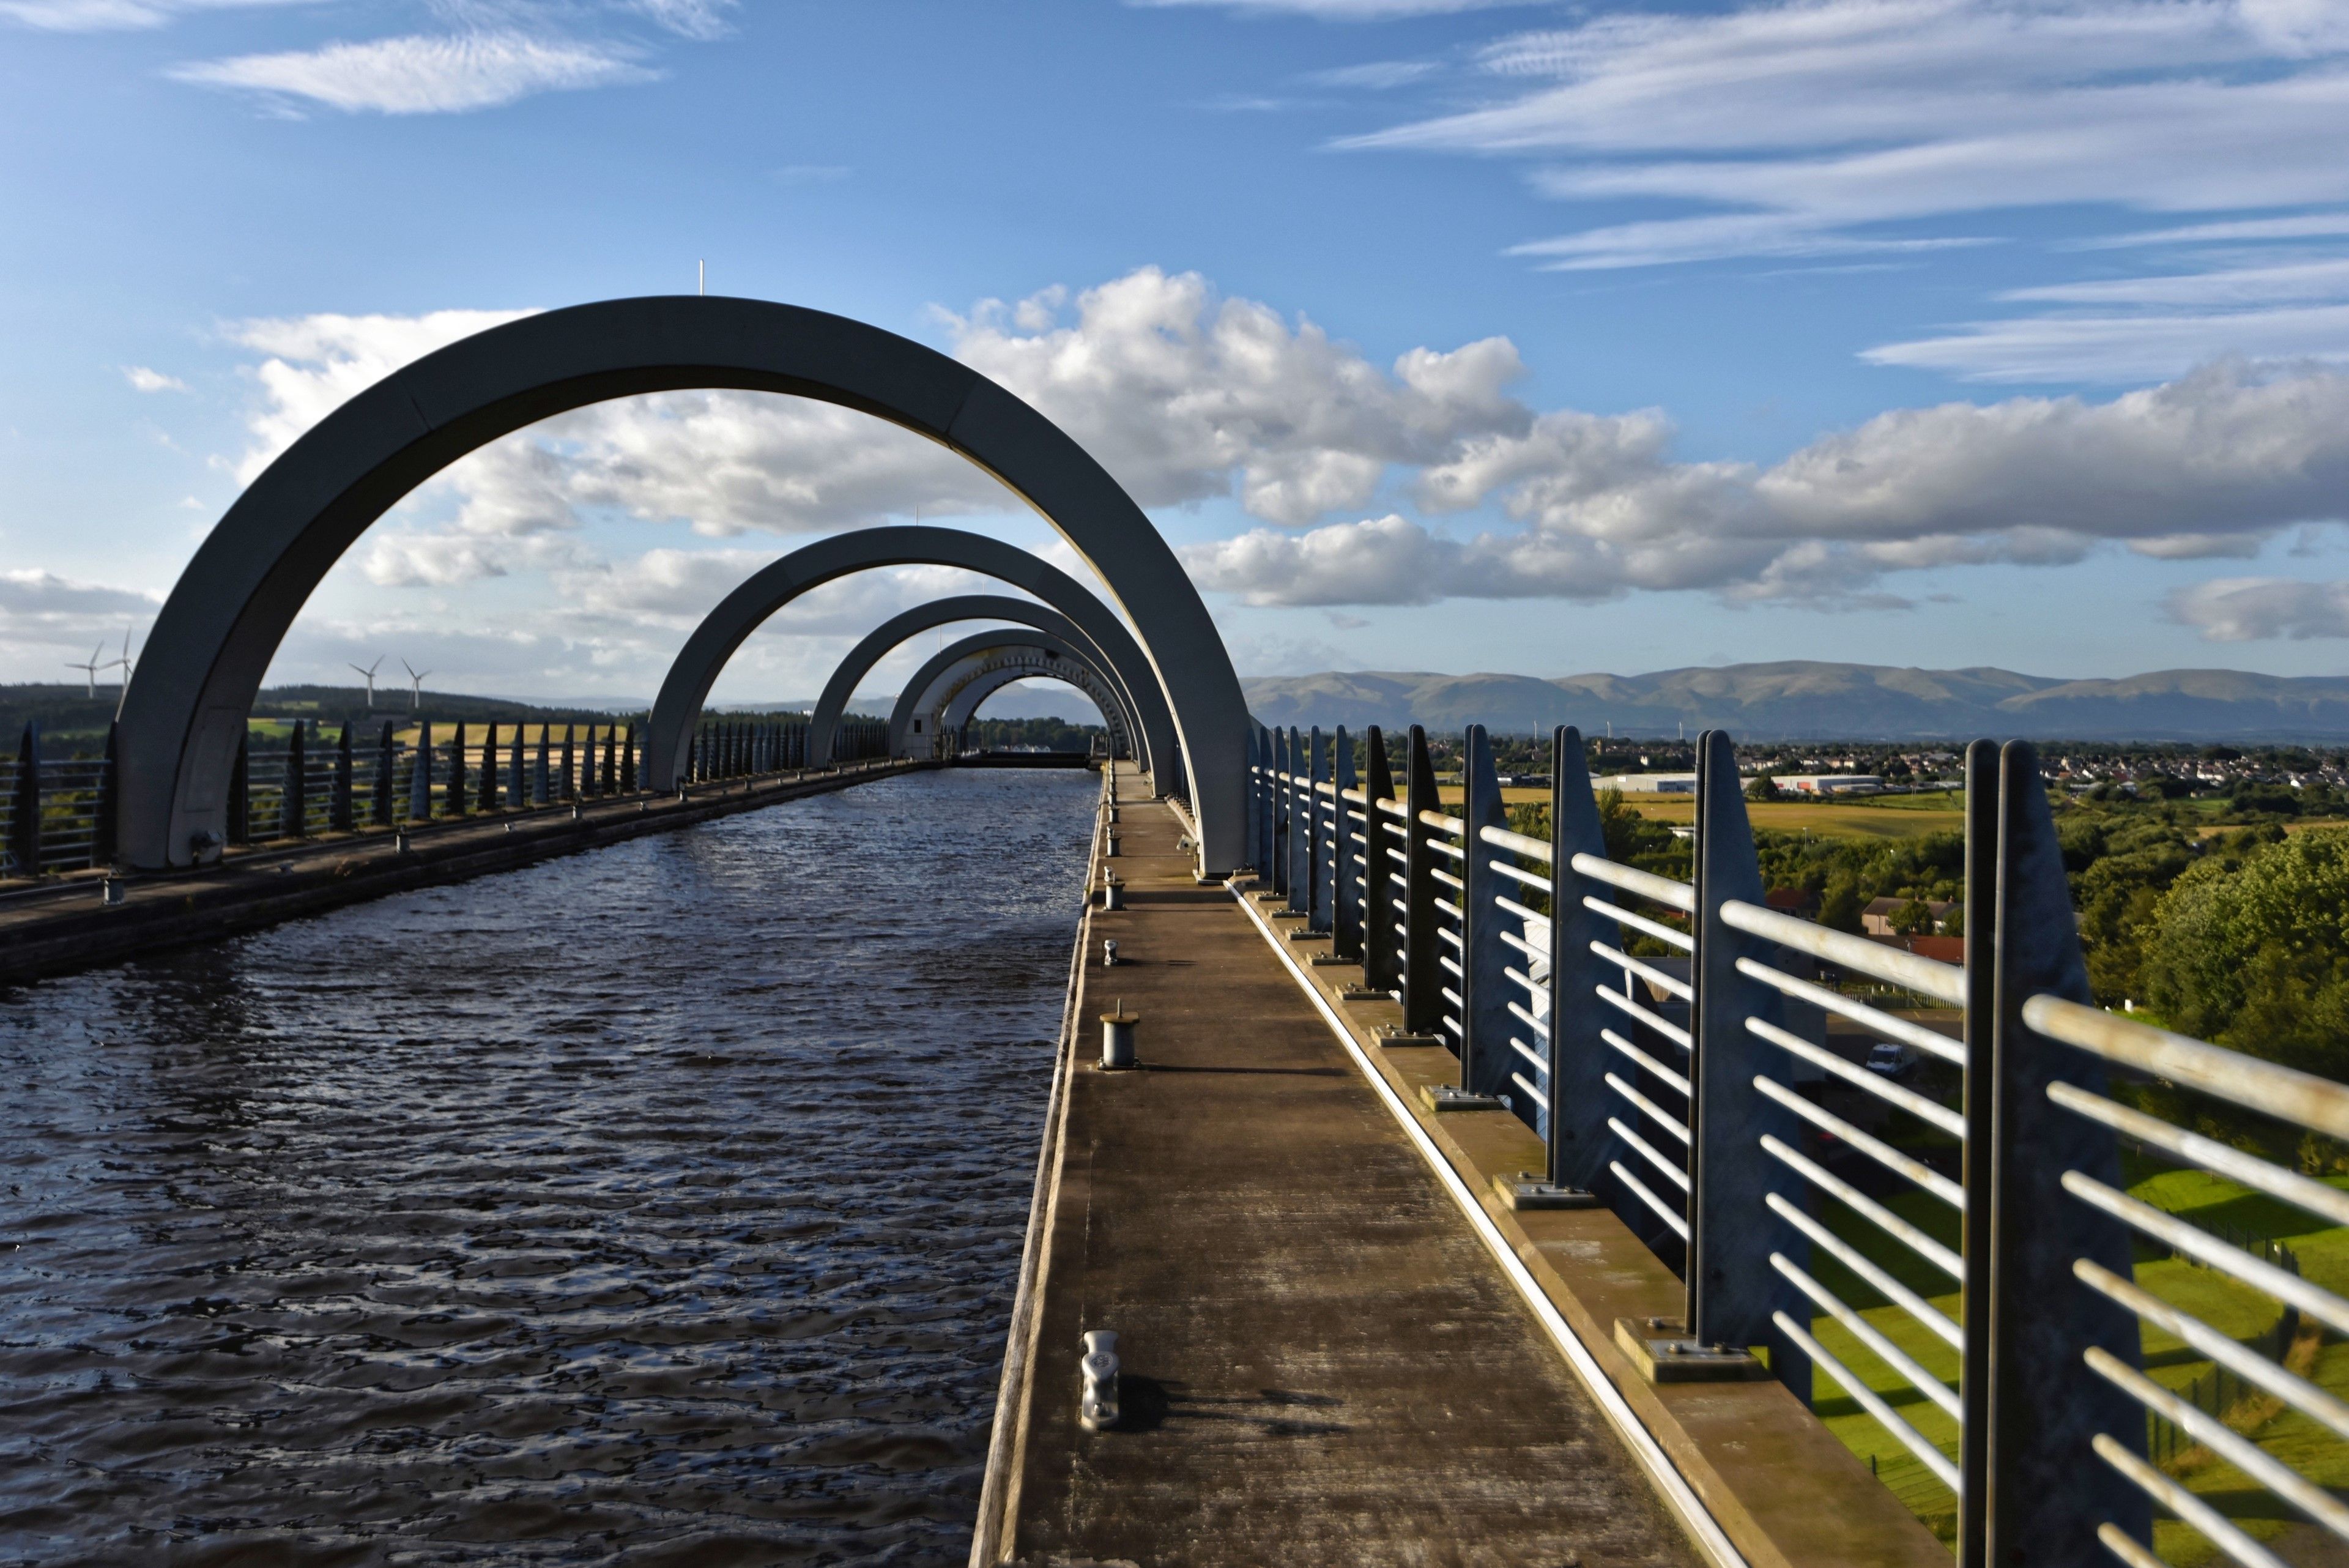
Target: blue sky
[1531,337]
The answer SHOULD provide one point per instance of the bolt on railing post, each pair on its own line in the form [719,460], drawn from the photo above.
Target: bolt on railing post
[24,807]
[1345,895]
[1423,977]
[1318,848]
[1484,1020]
[1301,828]
[292,794]
[386,757]
[1731,1287]
[2044,1489]
[107,827]
[342,814]
[419,778]
[1580,1142]
[1382,948]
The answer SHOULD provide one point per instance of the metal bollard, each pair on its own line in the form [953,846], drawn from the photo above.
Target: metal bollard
[1109,848]
[1109,951]
[1112,893]
[399,845]
[1117,1037]
[111,893]
[1097,1403]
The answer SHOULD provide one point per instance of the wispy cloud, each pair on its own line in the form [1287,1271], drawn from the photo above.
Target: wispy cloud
[113,15]
[1829,125]
[1340,10]
[2255,609]
[2122,350]
[143,379]
[424,75]
[1376,75]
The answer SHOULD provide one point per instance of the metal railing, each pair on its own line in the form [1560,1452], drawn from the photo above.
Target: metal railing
[59,813]
[1940,1232]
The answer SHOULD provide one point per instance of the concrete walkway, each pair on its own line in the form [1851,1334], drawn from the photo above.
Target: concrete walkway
[1323,1364]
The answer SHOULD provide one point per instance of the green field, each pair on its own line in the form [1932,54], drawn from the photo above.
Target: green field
[2242,1314]
[1886,817]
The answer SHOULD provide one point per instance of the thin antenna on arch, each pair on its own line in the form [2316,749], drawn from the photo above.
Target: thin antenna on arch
[701,277]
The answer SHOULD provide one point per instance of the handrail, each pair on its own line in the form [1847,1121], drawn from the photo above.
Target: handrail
[1516,843]
[2287,1093]
[1943,982]
[1646,884]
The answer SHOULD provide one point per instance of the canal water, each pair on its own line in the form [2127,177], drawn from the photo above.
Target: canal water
[658,1205]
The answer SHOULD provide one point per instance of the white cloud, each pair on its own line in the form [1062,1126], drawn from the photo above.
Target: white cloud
[449,74]
[47,621]
[1808,127]
[1180,394]
[1185,396]
[2248,609]
[143,379]
[315,363]
[2210,464]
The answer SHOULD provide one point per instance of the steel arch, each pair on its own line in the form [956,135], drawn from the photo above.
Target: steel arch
[892,632]
[187,706]
[944,673]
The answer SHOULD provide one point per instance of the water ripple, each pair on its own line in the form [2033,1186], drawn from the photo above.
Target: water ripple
[658,1205]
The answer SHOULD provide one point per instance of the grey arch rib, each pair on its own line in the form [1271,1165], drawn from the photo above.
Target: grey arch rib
[187,705]
[935,684]
[965,695]
[892,632]
[951,699]
[777,584]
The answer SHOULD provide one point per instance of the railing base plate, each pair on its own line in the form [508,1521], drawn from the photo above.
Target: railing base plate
[1363,993]
[1332,961]
[1308,934]
[1662,1351]
[1447,1097]
[1393,1038]
[1525,1191]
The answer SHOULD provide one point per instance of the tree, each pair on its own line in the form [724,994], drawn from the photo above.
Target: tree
[2256,956]
[1840,902]
[1913,919]
[1763,787]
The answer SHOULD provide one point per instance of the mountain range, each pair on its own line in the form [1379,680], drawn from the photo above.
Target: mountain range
[1807,700]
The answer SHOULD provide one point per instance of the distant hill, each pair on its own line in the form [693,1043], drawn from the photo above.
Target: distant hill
[1805,699]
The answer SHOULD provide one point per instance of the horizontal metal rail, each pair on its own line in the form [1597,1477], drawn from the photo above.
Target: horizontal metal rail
[1943,982]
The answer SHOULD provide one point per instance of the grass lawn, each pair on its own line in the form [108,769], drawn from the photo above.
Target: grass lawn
[2241,1313]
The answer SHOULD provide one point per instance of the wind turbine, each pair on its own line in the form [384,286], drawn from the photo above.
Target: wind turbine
[367,675]
[415,676]
[122,664]
[90,670]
